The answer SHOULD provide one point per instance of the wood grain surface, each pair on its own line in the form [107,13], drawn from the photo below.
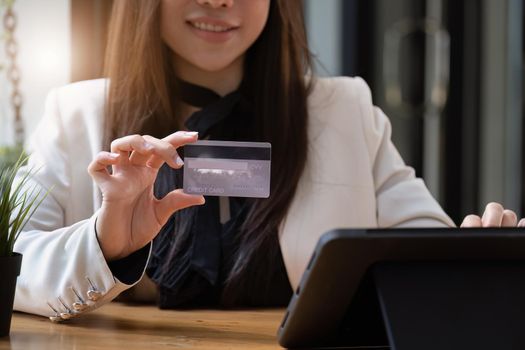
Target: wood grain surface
[121,326]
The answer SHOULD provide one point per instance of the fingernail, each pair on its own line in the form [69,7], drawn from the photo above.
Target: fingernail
[114,155]
[147,146]
[191,133]
[179,161]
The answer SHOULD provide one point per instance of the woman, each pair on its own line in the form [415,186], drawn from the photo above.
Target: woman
[222,69]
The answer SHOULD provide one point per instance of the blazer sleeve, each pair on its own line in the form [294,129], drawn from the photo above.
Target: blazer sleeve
[64,272]
[402,199]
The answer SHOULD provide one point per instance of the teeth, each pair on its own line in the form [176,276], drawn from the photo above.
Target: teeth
[209,27]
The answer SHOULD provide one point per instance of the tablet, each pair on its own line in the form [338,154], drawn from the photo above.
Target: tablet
[336,276]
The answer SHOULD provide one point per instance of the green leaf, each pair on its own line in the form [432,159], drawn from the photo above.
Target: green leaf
[18,202]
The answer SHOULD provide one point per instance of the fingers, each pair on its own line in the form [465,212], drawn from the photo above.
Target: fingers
[521,223]
[167,148]
[98,168]
[181,138]
[493,215]
[162,152]
[150,151]
[127,144]
[471,221]
[174,201]
[510,219]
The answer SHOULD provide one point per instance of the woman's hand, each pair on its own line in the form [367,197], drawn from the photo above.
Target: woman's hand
[130,215]
[494,216]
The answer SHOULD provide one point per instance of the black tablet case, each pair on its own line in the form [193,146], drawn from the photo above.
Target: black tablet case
[402,287]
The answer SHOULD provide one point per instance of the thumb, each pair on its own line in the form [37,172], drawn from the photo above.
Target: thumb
[174,201]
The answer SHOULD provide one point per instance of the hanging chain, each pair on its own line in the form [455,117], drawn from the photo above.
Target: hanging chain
[13,73]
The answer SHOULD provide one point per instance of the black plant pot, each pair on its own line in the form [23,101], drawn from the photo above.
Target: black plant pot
[9,271]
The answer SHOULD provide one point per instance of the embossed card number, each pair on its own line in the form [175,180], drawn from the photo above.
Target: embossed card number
[227,168]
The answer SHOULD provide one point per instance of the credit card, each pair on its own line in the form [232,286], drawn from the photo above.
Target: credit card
[227,168]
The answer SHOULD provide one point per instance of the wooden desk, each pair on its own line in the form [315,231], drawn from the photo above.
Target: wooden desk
[120,326]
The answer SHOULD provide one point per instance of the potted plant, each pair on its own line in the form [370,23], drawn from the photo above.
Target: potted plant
[9,155]
[17,203]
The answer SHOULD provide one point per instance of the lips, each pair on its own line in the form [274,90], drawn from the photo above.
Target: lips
[209,24]
[212,30]
[210,27]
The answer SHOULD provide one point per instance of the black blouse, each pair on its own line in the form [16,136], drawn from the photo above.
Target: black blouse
[194,252]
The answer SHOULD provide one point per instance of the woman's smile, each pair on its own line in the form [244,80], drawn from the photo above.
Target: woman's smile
[211,29]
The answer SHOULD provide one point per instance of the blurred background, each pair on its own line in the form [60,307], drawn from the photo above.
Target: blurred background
[449,74]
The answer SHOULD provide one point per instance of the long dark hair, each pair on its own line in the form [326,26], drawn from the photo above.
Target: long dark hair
[138,66]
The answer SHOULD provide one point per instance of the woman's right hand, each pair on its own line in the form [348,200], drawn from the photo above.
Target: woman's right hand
[130,215]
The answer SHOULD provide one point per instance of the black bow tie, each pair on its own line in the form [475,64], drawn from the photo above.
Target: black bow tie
[214,108]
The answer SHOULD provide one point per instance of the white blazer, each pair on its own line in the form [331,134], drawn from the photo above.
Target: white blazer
[354,177]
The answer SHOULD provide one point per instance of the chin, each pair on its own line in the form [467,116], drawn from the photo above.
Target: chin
[213,63]
[214,68]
